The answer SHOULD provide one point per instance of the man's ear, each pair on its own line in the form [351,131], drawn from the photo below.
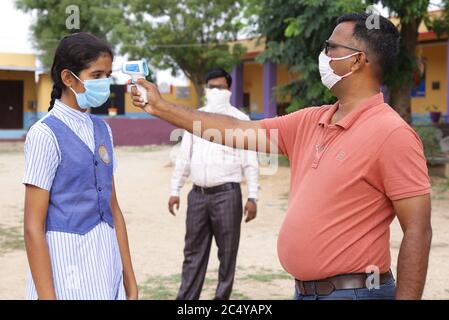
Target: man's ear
[67,78]
[359,62]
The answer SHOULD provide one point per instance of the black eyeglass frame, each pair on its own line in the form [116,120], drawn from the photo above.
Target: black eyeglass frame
[329,43]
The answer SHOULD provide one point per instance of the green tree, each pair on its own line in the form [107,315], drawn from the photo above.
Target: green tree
[98,17]
[400,78]
[440,24]
[191,36]
[296,30]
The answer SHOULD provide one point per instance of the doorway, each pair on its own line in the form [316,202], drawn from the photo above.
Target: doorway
[11,104]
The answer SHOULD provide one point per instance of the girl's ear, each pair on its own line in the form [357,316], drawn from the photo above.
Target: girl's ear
[67,78]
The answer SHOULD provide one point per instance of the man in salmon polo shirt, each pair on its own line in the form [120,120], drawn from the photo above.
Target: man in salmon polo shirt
[355,166]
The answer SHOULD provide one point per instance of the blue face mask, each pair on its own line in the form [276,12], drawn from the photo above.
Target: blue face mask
[96,92]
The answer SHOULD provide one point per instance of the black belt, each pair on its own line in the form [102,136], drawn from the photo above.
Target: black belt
[347,281]
[221,188]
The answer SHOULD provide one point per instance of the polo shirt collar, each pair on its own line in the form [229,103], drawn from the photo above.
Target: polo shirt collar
[349,119]
[71,113]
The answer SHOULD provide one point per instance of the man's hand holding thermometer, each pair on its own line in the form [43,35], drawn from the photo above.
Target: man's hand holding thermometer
[137,70]
[145,94]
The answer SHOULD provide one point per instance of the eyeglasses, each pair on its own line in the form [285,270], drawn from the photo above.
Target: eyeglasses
[333,45]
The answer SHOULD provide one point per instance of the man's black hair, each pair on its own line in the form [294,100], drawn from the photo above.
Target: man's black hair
[382,40]
[219,73]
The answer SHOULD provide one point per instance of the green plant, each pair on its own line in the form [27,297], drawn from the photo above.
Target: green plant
[430,137]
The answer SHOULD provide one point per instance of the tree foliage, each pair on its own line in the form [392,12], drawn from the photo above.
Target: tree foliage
[295,32]
[98,17]
[410,13]
[191,36]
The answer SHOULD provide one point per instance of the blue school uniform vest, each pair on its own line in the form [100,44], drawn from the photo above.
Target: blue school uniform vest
[81,193]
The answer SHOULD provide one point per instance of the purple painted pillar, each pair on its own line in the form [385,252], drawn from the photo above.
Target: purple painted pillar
[269,82]
[447,83]
[237,86]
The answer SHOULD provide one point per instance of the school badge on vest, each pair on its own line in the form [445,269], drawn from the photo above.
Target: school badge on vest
[104,155]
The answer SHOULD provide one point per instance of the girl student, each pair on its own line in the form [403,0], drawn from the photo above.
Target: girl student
[75,233]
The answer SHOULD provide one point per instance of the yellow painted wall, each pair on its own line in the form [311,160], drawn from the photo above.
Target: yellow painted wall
[44,88]
[17,60]
[189,102]
[129,107]
[29,87]
[284,77]
[436,55]
[253,84]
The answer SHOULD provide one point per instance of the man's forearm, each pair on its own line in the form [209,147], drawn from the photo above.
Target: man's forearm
[252,179]
[176,186]
[216,128]
[412,264]
[179,176]
[231,131]
[184,117]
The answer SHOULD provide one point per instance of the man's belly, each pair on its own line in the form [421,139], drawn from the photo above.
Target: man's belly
[315,245]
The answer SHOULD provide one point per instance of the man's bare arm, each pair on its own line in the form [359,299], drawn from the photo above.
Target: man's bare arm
[414,217]
[249,135]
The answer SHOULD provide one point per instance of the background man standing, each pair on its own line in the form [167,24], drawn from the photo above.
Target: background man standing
[215,202]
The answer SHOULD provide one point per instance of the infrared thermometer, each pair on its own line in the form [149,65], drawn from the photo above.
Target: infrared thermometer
[137,70]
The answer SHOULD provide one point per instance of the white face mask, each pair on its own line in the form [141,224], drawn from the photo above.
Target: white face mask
[217,100]
[328,77]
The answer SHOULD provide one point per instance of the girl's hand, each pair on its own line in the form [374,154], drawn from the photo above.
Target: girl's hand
[134,296]
[132,290]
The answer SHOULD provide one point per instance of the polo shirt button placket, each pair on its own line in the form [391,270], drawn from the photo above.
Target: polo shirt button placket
[316,159]
[329,135]
[319,148]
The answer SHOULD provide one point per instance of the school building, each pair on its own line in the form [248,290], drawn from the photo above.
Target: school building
[25,93]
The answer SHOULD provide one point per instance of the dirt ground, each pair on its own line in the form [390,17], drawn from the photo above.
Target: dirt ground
[157,238]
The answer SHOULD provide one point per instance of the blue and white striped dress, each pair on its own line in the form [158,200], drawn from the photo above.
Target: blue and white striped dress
[84,267]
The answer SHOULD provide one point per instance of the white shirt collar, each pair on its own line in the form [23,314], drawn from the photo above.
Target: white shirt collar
[71,113]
